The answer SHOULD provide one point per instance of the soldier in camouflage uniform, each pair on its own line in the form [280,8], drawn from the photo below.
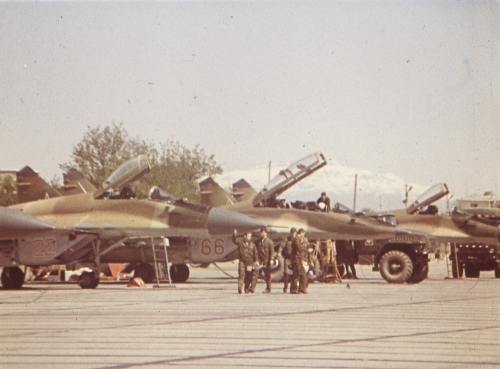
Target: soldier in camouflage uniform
[265,249]
[299,261]
[286,251]
[248,256]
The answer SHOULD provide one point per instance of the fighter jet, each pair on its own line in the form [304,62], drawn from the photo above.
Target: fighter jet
[263,208]
[473,237]
[87,227]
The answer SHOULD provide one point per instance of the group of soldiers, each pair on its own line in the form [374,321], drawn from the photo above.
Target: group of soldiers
[298,258]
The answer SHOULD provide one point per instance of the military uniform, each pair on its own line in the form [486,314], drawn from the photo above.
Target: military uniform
[286,252]
[349,257]
[299,260]
[265,249]
[247,256]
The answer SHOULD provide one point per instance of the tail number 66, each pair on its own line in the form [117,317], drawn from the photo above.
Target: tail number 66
[208,248]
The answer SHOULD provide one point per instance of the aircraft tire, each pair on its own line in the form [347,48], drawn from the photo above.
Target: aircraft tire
[277,271]
[179,273]
[471,271]
[12,278]
[146,272]
[88,280]
[396,266]
[420,273]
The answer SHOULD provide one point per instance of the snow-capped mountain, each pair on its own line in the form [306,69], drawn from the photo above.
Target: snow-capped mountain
[376,191]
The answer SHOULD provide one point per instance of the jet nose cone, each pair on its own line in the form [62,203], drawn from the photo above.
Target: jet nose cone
[222,221]
[14,223]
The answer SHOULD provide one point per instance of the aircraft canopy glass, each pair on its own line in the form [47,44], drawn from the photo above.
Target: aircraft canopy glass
[156,193]
[340,208]
[428,197]
[291,175]
[126,173]
[292,170]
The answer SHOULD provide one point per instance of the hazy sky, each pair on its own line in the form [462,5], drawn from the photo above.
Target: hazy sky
[409,88]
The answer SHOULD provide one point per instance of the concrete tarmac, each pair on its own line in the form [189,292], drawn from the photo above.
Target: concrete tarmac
[364,323]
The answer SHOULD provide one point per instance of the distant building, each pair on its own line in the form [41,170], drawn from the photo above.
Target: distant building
[486,200]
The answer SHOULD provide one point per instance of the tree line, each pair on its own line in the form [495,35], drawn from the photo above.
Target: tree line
[174,167]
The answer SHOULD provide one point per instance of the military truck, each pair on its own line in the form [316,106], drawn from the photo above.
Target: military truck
[475,254]
[473,239]
[403,258]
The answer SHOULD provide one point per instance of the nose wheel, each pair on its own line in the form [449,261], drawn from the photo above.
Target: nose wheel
[88,280]
[179,273]
[12,278]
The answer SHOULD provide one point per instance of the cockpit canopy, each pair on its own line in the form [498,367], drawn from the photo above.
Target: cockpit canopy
[289,176]
[430,196]
[341,208]
[126,173]
[156,193]
[384,217]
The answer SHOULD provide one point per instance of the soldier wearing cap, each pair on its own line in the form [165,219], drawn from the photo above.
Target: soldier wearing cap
[265,249]
[248,257]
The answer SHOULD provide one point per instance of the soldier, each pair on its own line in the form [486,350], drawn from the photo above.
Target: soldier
[299,262]
[286,252]
[323,199]
[248,256]
[349,257]
[265,249]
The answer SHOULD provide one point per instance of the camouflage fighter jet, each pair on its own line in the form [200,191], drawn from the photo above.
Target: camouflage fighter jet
[87,227]
[473,237]
[337,225]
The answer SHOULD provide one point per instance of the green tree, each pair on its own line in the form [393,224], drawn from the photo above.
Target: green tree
[8,191]
[177,169]
[99,153]
[174,167]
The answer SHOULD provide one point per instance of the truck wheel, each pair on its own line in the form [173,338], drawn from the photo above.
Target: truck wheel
[454,269]
[179,273]
[420,273]
[12,278]
[471,271]
[146,272]
[396,266]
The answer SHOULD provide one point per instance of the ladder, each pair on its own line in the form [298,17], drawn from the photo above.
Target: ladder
[161,266]
[449,263]
[329,262]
